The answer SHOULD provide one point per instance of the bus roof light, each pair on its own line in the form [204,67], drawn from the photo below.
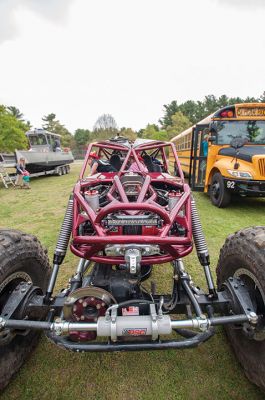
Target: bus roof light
[227,114]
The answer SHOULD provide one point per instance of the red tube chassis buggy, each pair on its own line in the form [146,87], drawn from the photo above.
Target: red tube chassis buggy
[121,224]
[127,195]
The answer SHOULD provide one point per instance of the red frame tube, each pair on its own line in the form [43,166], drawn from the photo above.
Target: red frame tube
[171,246]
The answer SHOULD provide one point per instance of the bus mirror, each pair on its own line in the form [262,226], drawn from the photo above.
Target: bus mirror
[213,129]
[212,139]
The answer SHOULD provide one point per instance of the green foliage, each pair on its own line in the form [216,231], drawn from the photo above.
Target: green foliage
[262,98]
[128,133]
[195,111]
[102,134]
[53,125]
[153,132]
[179,123]
[150,131]
[15,112]
[82,137]
[105,132]
[140,133]
[169,110]
[12,132]
[160,135]
[50,122]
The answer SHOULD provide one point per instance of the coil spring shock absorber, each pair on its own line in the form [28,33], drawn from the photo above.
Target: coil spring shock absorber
[201,247]
[61,247]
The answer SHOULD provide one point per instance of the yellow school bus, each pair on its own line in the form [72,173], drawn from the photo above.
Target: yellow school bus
[225,153]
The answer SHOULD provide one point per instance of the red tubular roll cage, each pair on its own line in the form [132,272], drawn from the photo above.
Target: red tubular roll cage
[92,246]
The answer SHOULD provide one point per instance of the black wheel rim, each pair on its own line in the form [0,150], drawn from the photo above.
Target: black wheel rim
[257,296]
[6,288]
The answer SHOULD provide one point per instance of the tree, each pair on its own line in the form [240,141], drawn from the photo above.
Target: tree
[251,100]
[262,98]
[169,110]
[179,123]
[50,122]
[195,111]
[128,133]
[12,132]
[15,112]
[150,131]
[53,125]
[160,135]
[105,127]
[140,133]
[29,126]
[105,122]
[82,137]
[223,101]
[191,110]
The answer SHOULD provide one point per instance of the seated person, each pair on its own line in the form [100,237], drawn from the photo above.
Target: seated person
[135,168]
[57,145]
[97,165]
[20,168]
[26,179]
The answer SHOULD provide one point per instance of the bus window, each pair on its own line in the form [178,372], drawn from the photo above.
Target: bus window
[253,131]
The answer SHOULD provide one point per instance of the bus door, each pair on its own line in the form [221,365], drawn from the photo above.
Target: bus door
[198,157]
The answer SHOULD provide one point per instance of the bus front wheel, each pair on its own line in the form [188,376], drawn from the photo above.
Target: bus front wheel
[220,196]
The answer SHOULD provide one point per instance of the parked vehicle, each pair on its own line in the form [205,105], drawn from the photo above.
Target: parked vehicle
[44,157]
[224,154]
[120,225]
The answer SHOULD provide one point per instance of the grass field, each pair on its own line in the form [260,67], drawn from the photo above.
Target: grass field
[208,372]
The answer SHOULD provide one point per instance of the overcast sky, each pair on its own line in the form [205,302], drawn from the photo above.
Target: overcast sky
[82,58]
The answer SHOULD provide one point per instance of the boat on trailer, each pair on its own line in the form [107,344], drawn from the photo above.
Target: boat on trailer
[45,155]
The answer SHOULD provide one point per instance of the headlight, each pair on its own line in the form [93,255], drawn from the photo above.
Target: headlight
[240,174]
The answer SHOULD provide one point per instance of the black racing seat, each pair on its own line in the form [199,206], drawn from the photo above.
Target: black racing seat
[157,167]
[115,161]
[105,166]
[149,163]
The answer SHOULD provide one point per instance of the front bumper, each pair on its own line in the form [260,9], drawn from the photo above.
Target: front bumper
[246,187]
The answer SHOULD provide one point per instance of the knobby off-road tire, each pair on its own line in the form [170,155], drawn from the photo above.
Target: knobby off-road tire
[243,255]
[22,258]
[220,196]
